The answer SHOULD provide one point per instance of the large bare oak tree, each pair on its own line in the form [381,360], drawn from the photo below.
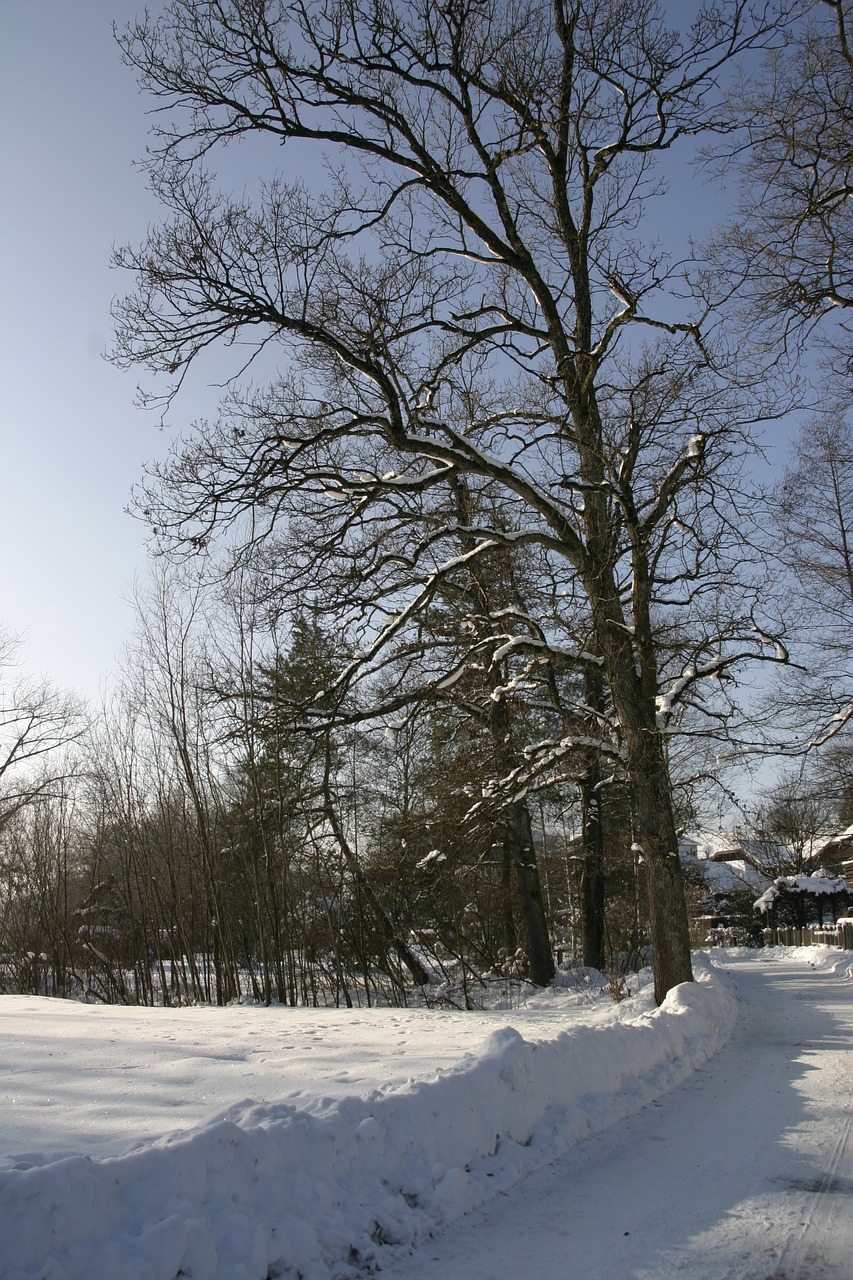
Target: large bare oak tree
[474,292]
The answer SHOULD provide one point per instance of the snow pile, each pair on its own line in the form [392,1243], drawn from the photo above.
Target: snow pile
[325,1190]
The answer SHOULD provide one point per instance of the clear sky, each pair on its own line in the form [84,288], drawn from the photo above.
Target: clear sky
[72,441]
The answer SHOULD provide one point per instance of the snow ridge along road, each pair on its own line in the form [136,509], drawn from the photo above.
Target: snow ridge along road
[327,1189]
[744,1172]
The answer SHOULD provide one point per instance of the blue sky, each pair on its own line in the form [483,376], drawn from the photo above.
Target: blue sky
[72,441]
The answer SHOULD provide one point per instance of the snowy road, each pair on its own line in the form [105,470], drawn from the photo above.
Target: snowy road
[745,1172]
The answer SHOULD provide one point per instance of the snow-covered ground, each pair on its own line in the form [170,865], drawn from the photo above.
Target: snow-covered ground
[744,1172]
[248,1143]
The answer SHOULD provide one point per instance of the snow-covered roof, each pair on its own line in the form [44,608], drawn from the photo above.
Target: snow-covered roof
[816,884]
[834,844]
[721,846]
[704,844]
[731,875]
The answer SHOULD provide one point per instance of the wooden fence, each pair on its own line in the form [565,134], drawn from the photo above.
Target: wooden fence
[839,934]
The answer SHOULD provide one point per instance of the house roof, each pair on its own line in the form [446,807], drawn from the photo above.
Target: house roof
[719,846]
[727,876]
[731,875]
[841,843]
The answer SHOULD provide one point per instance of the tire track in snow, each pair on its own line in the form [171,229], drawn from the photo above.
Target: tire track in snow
[803,1257]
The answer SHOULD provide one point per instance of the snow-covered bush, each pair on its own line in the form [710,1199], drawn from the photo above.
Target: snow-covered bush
[804,899]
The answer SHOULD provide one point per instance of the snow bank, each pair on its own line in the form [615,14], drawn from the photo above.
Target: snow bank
[324,1191]
[820,956]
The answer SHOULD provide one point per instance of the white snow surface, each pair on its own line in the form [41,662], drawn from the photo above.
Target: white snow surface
[313,1143]
[743,1172]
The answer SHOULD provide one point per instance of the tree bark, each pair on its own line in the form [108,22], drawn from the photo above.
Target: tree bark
[654,828]
[530,902]
[509,930]
[631,671]
[592,875]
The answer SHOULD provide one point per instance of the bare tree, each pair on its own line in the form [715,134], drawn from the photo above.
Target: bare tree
[790,819]
[42,881]
[834,776]
[37,724]
[789,255]
[811,707]
[791,247]
[470,295]
[815,507]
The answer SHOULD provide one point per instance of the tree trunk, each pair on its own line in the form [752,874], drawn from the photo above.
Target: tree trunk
[519,848]
[654,829]
[592,875]
[522,852]
[530,903]
[631,672]
[508,929]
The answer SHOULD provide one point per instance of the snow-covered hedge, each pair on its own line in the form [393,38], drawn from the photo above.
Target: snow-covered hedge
[267,1191]
[816,884]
